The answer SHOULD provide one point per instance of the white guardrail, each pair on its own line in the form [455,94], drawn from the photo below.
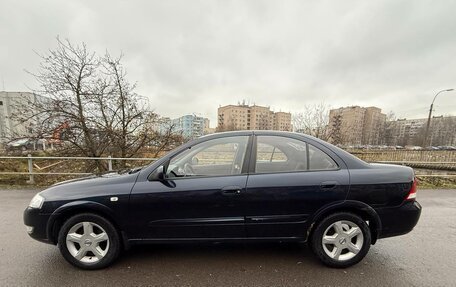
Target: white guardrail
[31,172]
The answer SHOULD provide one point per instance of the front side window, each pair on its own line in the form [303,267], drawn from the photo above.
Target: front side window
[282,154]
[217,157]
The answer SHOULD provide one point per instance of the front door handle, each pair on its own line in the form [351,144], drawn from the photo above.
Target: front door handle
[328,185]
[231,190]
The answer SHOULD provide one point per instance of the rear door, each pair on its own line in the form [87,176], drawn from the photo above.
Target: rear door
[290,180]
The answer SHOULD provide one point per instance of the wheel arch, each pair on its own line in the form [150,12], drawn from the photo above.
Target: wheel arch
[366,212]
[64,212]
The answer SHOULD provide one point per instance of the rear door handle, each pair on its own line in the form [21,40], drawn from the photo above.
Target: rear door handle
[328,185]
[231,190]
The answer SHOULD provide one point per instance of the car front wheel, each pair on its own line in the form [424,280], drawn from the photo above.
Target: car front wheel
[341,240]
[89,241]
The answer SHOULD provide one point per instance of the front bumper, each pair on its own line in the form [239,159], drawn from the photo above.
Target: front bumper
[36,224]
[399,220]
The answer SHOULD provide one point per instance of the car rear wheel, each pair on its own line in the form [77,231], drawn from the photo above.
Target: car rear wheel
[89,241]
[341,240]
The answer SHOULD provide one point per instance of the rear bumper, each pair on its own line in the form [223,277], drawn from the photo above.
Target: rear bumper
[36,224]
[399,220]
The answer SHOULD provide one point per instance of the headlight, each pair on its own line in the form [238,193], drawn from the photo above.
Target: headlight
[37,201]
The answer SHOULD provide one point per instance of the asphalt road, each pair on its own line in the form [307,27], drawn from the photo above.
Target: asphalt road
[425,257]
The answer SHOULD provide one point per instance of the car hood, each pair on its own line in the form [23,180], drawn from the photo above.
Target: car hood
[90,177]
[91,186]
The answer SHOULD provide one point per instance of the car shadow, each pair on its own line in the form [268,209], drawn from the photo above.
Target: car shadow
[223,264]
[217,251]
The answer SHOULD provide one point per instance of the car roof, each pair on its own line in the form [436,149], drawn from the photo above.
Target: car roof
[251,132]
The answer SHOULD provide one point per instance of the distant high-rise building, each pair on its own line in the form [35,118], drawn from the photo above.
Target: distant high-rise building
[12,105]
[245,117]
[282,121]
[207,127]
[442,131]
[404,131]
[374,126]
[357,125]
[190,126]
[162,125]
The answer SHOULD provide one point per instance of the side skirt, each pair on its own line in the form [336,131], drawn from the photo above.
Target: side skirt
[198,240]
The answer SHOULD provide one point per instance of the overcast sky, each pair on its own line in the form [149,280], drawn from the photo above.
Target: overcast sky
[192,56]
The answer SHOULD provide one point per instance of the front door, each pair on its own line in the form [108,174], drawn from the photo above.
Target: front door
[290,181]
[199,197]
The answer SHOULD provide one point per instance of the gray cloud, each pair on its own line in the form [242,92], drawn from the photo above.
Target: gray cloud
[191,56]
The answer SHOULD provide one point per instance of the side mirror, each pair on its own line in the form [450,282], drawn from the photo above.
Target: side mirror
[157,175]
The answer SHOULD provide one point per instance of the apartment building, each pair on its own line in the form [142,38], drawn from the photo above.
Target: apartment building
[245,117]
[357,125]
[190,126]
[207,127]
[234,117]
[12,105]
[442,131]
[374,126]
[282,121]
[405,132]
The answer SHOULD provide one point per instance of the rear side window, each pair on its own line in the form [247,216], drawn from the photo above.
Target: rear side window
[318,160]
[280,154]
[283,154]
[269,153]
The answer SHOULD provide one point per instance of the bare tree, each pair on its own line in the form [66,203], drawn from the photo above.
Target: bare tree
[417,139]
[126,116]
[443,130]
[337,135]
[68,76]
[89,103]
[166,141]
[314,120]
[231,126]
[386,135]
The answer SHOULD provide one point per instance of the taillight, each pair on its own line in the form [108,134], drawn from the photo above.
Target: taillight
[412,192]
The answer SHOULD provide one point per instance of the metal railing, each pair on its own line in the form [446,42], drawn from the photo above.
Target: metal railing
[31,172]
[406,155]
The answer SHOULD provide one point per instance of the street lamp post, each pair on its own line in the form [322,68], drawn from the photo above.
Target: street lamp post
[426,134]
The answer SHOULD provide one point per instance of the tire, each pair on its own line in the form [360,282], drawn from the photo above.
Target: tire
[89,241]
[347,240]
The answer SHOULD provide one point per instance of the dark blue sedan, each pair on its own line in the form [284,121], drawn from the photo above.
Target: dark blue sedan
[235,186]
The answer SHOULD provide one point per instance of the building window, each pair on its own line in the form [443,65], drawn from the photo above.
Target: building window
[1,103]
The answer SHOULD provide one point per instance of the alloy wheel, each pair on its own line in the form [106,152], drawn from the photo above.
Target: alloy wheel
[342,240]
[88,242]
